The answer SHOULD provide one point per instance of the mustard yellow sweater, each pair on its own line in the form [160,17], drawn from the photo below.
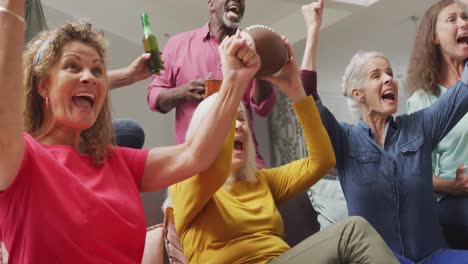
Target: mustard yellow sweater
[240,223]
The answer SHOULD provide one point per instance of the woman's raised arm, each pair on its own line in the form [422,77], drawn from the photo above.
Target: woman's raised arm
[12,27]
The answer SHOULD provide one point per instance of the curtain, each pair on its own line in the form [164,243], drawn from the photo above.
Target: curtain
[287,143]
[35,19]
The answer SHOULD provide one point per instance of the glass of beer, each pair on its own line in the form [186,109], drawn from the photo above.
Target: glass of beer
[212,86]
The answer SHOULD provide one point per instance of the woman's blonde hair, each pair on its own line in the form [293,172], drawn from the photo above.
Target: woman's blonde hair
[41,54]
[248,170]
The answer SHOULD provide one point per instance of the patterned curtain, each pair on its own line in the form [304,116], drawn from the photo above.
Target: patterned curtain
[287,143]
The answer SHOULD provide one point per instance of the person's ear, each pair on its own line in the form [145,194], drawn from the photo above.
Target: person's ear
[42,88]
[435,39]
[358,94]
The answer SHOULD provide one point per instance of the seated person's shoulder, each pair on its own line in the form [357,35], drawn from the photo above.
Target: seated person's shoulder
[420,99]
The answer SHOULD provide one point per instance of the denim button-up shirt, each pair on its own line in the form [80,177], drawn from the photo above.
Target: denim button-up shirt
[391,186]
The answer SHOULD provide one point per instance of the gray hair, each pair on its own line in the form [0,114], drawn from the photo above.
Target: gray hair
[355,76]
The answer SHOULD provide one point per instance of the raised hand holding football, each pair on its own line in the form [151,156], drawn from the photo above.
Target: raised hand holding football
[269,46]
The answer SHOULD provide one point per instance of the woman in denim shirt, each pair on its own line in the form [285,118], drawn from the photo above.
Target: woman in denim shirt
[384,162]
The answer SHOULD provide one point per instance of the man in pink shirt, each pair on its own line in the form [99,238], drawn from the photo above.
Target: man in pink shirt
[190,58]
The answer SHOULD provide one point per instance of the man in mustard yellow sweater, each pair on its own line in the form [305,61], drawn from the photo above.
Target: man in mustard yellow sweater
[228,213]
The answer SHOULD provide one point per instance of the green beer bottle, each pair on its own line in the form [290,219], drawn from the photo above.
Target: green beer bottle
[150,45]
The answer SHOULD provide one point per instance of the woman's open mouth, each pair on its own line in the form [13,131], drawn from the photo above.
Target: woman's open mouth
[238,145]
[389,96]
[83,101]
[462,40]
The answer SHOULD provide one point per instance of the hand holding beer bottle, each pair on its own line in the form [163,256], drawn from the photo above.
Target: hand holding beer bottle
[150,45]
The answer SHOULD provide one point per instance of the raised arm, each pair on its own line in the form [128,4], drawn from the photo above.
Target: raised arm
[166,166]
[459,184]
[312,14]
[313,19]
[288,180]
[12,28]
[444,114]
[135,72]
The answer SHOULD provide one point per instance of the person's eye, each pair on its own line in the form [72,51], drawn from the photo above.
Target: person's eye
[72,66]
[97,71]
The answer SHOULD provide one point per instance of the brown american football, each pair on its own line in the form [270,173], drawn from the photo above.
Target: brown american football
[269,46]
